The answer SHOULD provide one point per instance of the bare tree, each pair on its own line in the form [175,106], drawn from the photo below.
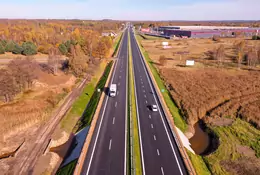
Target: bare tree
[219,54]
[240,52]
[54,61]
[251,58]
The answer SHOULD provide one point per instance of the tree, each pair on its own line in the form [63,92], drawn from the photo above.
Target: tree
[2,49]
[90,41]
[29,48]
[162,60]
[219,54]
[100,50]
[8,87]
[63,49]
[53,61]
[78,65]
[17,49]
[251,58]
[9,47]
[240,52]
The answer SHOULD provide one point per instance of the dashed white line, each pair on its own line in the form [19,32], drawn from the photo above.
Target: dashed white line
[119,76]
[154,137]
[150,117]
[118,84]
[117,92]
[110,144]
[116,104]
[146,101]
[144,91]
[158,152]
[151,125]
[113,120]
[162,171]
[144,96]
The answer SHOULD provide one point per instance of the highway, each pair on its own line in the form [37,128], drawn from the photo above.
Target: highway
[107,153]
[159,152]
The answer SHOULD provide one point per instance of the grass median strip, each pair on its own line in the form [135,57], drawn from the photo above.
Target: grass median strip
[135,134]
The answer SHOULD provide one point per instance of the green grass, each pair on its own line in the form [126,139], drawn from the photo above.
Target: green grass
[240,133]
[67,169]
[198,163]
[79,105]
[136,144]
[178,119]
[93,102]
[117,44]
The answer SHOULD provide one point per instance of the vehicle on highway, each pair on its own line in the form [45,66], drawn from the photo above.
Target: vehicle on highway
[112,90]
[154,108]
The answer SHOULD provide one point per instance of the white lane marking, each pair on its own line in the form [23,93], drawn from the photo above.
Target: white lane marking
[152,126]
[116,104]
[110,144]
[149,116]
[146,101]
[154,137]
[158,152]
[144,91]
[162,171]
[117,92]
[141,82]
[119,76]
[159,109]
[142,86]
[95,143]
[118,84]
[144,96]
[113,120]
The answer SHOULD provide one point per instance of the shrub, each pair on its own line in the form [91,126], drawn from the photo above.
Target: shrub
[2,49]
[67,89]
[17,49]
[255,37]
[3,42]
[63,49]
[29,48]
[216,38]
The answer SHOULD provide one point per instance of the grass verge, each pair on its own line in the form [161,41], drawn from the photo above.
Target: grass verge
[135,134]
[93,102]
[67,169]
[117,44]
[239,133]
[78,107]
[178,120]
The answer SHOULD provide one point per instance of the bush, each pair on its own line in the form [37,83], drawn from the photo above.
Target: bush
[255,37]
[63,49]
[3,42]
[9,47]
[2,49]
[29,48]
[216,38]
[17,49]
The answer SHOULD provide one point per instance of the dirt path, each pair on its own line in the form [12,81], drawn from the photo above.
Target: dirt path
[35,147]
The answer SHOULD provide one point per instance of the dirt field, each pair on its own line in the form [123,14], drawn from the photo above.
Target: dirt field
[219,95]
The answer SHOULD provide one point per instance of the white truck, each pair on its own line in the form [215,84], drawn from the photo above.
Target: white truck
[112,90]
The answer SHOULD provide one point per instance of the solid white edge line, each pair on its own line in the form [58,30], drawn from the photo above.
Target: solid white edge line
[113,120]
[158,106]
[154,137]
[94,147]
[126,105]
[162,171]
[158,152]
[137,111]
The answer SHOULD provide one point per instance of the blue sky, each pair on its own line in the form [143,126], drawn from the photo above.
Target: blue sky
[133,9]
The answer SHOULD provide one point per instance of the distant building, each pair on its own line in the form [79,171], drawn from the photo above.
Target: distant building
[109,34]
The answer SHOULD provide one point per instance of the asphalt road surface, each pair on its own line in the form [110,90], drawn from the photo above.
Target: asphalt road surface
[159,151]
[107,153]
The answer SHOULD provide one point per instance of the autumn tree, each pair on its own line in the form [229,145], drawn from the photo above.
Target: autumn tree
[9,47]
[240,52]
[17,49]
[101,49]
[90,41]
